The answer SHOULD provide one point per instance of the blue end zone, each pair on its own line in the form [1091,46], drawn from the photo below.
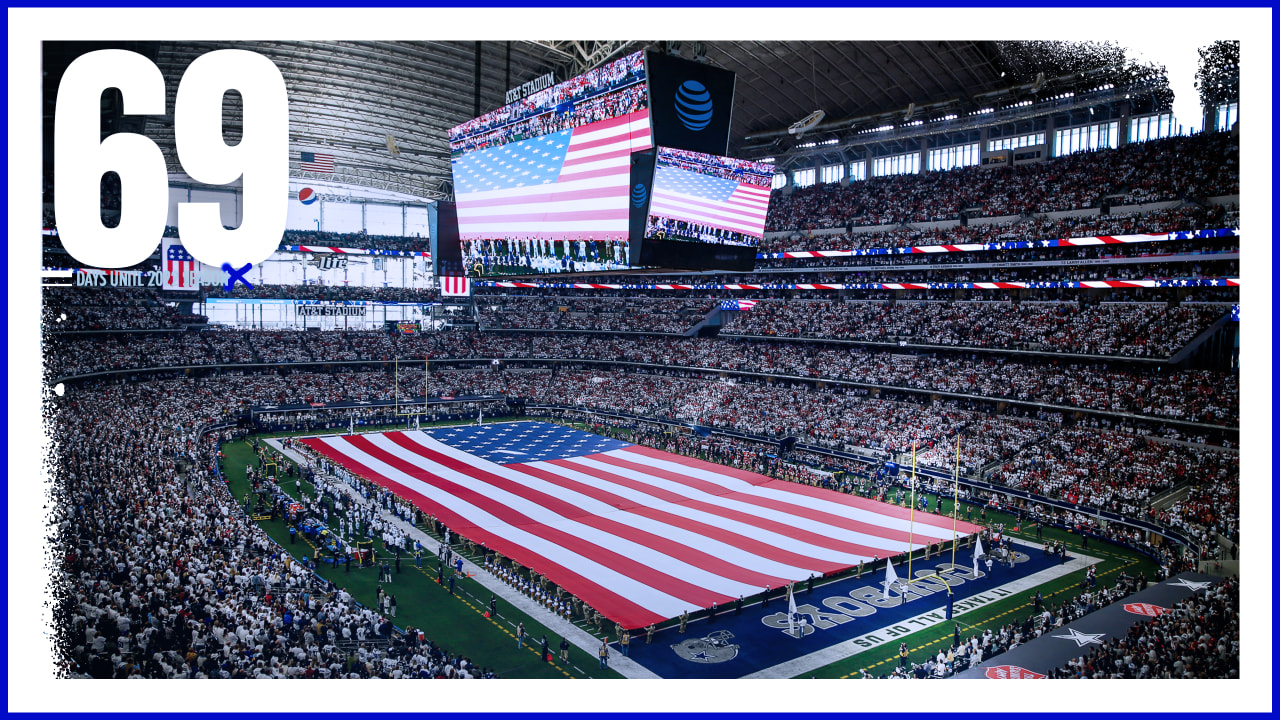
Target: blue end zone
[523,442]
[732,645]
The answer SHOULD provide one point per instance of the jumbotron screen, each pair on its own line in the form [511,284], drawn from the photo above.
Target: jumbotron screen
[542,184]
[708,199]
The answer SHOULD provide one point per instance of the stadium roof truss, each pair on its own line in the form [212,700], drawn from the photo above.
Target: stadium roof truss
[383,109]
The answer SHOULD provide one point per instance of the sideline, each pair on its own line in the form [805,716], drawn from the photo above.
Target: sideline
[584,640]
[878,637]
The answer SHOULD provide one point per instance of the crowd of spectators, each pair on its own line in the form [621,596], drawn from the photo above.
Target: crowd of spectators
[331,293]
[601,93]
[1198,637]
[1207,396]
[1168,169]
[167,410]
[1118,469]
[1156,267]
[983,646]
[1122,329]
[666,315]
[68,309]
[162,575]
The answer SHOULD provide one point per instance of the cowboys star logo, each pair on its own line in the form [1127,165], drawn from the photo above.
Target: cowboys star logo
[714,648]
[1191,585]
[1081,639]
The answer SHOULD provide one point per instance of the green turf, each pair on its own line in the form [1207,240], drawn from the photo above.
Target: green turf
[926,643]
[457,623]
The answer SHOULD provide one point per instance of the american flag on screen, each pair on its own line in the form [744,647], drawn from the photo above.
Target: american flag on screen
[179,267]
[742,305]
[316,162]
[639,534]
[570,183]
[455,286]
[707,200]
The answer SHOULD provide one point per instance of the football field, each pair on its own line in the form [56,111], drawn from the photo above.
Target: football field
[822,652]
[639,534]
[644,535]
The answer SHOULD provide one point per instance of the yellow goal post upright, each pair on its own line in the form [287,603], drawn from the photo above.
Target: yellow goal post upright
[408,408]
[955,521]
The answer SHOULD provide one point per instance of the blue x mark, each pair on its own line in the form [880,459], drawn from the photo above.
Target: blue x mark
[234,275]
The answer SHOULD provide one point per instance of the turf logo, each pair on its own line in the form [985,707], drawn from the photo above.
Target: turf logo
[1146,609]
[1013,672]
[711,649]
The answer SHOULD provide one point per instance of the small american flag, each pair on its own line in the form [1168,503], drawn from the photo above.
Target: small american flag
[455,286]
[741,305]
[315,162]
[180,267]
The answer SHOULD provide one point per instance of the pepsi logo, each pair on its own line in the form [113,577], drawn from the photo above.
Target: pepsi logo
[1013,672]
[1146,609]
[639,194]
[693,105]
[306,196]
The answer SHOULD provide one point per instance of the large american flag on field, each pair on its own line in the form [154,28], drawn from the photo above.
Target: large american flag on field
[179,266]
[571,183]
[708,200]
[316,162]
[639,534]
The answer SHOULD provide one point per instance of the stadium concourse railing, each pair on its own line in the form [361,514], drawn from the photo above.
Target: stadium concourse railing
[508,361]
[727,335]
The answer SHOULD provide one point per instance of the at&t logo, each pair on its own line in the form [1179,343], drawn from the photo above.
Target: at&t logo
[693,105]
[639,194]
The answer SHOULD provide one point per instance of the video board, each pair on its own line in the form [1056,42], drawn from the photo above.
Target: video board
[541,184]
[709,199]
[568,180]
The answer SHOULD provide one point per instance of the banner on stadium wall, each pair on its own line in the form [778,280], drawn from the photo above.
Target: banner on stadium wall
[1028,285]
[92,277]
[1008,245]
[179,267]
[451,286]
[331,310]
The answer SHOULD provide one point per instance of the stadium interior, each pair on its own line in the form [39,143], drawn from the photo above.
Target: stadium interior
[976,395]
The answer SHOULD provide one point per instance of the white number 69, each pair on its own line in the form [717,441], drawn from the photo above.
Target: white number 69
[261,158]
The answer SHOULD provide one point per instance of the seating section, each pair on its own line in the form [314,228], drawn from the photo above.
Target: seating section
[674,315]
[1200,395]
[1122,329]
[1199,166]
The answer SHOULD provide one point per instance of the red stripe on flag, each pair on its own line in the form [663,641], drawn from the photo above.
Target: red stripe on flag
[773,526]
[629,613]
[852,501]
[621,563]
[568,510]
[728,537]
[780,506]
